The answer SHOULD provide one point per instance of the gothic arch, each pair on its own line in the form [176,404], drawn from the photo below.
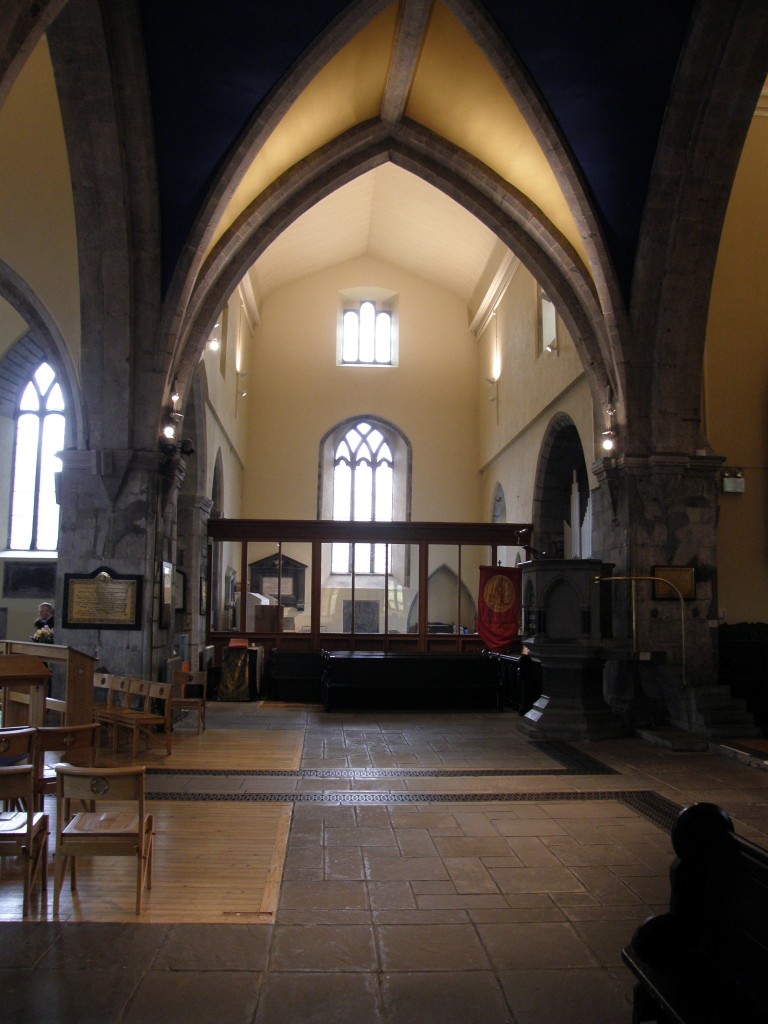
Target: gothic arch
[512,217]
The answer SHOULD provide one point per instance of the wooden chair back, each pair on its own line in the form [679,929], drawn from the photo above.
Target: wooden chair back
[190,694]
[16,744]
[74,741]
[109,830]
[138,694]
[157,715]
[24,833]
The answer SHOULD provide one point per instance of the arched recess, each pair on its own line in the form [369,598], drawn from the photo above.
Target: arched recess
[561,493]
[524,229]
[44,331]
[441,603]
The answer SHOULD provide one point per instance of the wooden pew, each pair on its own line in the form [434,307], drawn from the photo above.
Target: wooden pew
[385,679]
[706,960]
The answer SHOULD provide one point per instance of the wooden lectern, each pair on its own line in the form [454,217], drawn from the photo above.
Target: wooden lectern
[24,679]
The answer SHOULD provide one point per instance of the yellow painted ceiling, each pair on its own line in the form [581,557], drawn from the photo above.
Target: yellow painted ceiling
[473,110]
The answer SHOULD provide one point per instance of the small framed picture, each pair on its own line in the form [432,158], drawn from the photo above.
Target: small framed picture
[673,582]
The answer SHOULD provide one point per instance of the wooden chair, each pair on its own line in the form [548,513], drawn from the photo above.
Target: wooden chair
[117,688]
[16,747]
[190,694]
[157,715]
[78,740]
[16,744]
[24,833]
[121,828]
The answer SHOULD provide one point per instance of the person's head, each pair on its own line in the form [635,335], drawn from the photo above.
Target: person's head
[45,611]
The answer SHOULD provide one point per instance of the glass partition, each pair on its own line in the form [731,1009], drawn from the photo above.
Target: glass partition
[225,590]
[279,587]
[472,557]
[443,588]
[335,589]
[403,589]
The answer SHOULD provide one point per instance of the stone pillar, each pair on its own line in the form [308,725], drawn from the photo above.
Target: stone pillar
[657,511]
[114,513]
[194,510]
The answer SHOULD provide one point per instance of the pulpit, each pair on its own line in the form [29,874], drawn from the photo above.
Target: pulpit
[566,619]
[25,679]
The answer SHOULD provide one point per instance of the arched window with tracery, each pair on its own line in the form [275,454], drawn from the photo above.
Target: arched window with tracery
[40,427]
[362,492]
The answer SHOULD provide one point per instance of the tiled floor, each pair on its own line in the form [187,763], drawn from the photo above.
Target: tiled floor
[418,888]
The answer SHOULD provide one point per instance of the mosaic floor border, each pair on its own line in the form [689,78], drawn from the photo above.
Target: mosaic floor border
[657,809]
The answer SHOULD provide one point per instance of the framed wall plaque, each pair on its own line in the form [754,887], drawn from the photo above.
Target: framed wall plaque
[103,599]
[681,576]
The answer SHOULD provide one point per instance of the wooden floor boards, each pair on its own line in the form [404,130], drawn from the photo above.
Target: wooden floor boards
[218,862]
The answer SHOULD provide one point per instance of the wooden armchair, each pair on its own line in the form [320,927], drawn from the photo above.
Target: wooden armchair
[189,694]
[79,741]
[24,833]
[120,828]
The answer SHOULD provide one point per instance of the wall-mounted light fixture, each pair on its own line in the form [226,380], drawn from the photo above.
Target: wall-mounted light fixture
[242,376]
[551,347]
[609,440]
[213,344]
[733,480]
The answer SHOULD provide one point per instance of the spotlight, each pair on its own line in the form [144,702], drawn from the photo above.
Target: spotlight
[609,440]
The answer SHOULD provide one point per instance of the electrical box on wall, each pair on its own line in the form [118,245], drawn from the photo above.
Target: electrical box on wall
[733,481]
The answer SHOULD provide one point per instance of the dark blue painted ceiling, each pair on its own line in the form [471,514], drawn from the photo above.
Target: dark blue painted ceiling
[604,67]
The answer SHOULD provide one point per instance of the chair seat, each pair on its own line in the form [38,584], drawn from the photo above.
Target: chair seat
[13,824]
[93,823]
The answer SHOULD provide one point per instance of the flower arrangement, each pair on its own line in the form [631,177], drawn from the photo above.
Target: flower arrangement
[44,635]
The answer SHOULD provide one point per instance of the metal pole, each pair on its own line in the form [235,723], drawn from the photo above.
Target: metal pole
[660,579]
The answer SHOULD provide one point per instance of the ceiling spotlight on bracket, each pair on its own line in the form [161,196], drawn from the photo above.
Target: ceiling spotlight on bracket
[609,440]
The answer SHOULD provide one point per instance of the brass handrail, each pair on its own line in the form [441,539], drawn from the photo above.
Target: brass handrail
[659,579]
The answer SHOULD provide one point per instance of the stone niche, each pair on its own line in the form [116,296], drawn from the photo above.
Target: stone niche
[566,622]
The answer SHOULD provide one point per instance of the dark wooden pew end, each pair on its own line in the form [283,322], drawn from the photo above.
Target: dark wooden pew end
[706,960]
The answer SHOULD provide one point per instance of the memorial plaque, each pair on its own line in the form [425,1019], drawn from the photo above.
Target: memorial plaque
[102,599]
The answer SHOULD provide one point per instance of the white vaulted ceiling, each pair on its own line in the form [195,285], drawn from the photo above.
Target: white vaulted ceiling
[390,214]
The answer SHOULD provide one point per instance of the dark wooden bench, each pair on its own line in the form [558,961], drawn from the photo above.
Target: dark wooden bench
[294,676]
[706,960]
[414,681]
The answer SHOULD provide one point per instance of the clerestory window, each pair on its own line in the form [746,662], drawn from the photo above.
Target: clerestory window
[367,335]
[40,425]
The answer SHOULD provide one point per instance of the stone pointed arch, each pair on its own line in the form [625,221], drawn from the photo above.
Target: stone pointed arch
[719,79]
[268,115]
[95,51]
[506,211]
[22,26]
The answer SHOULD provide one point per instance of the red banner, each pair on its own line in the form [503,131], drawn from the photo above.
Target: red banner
[498,609]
